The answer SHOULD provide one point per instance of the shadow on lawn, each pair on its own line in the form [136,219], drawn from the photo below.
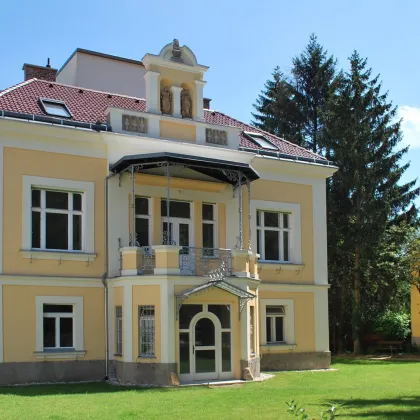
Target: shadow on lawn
[73,389]
[356,361]
[372,408]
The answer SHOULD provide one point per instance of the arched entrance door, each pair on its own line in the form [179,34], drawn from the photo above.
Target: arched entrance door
[205,331]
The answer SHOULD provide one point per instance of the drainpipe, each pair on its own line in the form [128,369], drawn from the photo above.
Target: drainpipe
[105,277]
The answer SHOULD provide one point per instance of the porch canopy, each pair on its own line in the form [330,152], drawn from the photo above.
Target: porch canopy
[234,173]
[243,295]
[215,168]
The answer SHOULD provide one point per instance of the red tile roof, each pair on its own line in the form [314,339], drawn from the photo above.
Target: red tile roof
[90,106]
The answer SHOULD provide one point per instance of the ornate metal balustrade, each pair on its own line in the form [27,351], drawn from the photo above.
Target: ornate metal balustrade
[147,262]
[201,261]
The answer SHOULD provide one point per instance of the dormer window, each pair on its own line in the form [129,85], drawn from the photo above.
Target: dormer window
[261,140]
[55,108]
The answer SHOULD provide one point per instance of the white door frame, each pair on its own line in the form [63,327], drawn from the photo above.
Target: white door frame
[175,228]
[217,347]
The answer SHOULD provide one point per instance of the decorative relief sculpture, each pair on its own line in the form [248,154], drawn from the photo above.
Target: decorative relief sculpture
[186,104]
[135,124]
[166,100]
[216,136]
[176,50]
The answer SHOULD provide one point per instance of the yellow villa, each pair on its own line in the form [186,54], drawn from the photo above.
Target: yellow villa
[147,237]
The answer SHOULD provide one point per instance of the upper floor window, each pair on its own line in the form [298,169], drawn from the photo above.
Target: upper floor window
[273,235]
[142,205]
[57,220]
[55,108]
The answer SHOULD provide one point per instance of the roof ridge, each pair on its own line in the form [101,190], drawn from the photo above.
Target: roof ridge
[90,90]
[11,88]
[271,134]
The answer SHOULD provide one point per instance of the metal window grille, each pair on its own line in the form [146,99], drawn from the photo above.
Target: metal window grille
[147,331]
[119,323]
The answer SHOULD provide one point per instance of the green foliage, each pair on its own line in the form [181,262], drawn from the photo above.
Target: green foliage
[394,325]
[300,413]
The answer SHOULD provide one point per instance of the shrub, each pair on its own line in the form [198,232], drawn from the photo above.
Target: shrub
[300,413]
[394,325]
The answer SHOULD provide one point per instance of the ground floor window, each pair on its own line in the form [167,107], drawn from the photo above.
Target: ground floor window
[118,330]
[147,331]
[58,326]
[59,323]
[275,324]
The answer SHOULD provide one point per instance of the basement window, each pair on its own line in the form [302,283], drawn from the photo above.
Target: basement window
[261,140]
[55,108]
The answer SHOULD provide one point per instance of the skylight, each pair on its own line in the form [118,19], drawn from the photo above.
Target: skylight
[55,108]
[261,140]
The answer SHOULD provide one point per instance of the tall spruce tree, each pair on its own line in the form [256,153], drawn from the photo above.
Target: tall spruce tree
[366,195]
[313,82]
[277,111]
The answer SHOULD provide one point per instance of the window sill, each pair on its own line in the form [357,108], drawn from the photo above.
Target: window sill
[278,265]
[57,255]
[60,354]
[277,346]
[146,357]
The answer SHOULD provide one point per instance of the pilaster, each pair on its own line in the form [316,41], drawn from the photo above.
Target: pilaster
[152,91]
[199,87]
[128,323]
[322,342]
[176,101]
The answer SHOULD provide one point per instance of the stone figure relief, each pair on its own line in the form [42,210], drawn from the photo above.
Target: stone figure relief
[166,100]
[135,124]
[186,104]
[176,50]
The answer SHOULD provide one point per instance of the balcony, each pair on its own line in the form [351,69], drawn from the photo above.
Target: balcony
[186,261]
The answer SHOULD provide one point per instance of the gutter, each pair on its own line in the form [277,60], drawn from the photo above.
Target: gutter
[104,277]
[56,121]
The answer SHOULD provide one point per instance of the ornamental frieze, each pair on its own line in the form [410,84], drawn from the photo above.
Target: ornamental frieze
[216,136]
[134,124]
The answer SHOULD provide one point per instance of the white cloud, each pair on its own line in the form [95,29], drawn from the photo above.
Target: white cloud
[410,125]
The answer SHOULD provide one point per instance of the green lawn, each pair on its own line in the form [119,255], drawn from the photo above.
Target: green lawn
[368,389]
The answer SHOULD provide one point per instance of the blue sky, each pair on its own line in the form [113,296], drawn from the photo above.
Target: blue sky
[241,41]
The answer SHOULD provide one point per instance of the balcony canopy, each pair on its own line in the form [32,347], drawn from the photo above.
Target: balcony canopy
[215,168]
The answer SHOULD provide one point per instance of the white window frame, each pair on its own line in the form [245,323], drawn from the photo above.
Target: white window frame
[57,316]
[61,185]
[78,335]
[280,229]
[272,318]
[70,212]
[295,239]
[288,321]
[212,222]
[143,216]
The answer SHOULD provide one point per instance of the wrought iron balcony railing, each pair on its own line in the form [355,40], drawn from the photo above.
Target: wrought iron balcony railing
[201,261]
[147,262]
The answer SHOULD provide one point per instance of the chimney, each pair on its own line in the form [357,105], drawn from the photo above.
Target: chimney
[206,103]
[31,71]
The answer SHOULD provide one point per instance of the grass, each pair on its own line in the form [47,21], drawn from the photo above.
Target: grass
[368,389]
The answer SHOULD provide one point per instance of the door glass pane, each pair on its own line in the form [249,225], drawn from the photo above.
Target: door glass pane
[223,313]
[271,219]
[176,209]
[208,235]
[271,238]
[205,361]
[36,229]
[285,220]
[226,350]
[77,201]
[142,206]
[49,332]
[77,232]
[184,234]
[57,200]
[66,332]
[186,314]
[184,352]
[208,212]
[268,330]
[279,328]
[142,231]
[205,333]
[56,231]
[36,198]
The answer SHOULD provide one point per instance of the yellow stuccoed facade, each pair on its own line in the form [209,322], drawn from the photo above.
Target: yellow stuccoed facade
[129,287]
[415,315]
